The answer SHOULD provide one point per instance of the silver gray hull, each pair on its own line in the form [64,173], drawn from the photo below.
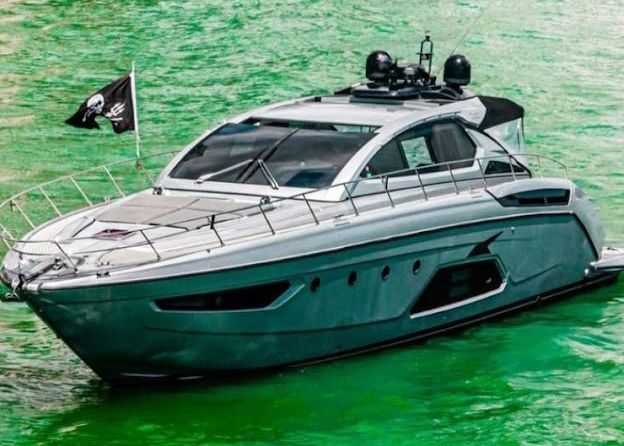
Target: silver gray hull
[120,332]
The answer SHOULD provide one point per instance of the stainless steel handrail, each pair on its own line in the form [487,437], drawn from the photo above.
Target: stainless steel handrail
[86,171]
[211,219]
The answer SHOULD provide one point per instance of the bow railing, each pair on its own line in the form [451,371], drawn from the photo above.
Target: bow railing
[103,184]
[91,187]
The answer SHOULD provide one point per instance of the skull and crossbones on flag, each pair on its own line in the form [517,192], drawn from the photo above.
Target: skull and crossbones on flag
[114,102]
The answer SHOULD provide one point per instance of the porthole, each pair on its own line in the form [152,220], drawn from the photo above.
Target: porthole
[315,285]
[416,267]
[385,272]
[352,278]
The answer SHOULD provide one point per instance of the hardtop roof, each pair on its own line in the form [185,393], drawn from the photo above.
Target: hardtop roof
[345,110]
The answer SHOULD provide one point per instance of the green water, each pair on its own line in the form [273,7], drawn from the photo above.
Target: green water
[552,376]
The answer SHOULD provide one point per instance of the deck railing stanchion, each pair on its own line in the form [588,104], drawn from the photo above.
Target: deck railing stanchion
[81,191]
[149,242]
[422,185]
[72,264]
[19,208]
[149,177]
[5,231]
[351,199]
[267,219]
[511,166]
[482,174]
[565,170]
[47,197]
[110,176]
[539,166]
[307,202]
[384,182]
[453,178]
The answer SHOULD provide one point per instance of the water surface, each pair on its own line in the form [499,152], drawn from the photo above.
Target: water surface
[552,376]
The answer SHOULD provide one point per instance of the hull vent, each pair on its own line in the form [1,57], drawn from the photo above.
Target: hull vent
[541,197]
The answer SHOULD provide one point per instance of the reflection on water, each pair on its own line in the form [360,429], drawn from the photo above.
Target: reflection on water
[553,375]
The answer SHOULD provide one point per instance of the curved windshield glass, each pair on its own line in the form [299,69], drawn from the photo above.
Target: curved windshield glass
[292,157]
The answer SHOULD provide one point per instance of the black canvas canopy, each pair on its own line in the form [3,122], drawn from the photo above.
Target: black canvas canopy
[499,110]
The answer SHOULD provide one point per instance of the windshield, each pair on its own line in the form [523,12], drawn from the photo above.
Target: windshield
[294,157]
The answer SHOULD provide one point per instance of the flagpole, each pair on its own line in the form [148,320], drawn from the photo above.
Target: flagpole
[136,113]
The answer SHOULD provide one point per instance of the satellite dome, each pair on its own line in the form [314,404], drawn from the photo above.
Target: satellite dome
[457,70]
[379,65]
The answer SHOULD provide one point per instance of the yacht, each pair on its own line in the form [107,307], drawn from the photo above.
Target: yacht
[308,230]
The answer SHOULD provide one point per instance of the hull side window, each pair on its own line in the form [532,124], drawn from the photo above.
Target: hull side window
[457,283]
[247,298]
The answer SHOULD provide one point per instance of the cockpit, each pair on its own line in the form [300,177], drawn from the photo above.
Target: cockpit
[314,154]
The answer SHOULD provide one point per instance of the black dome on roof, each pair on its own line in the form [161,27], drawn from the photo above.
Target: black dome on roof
[457,70]
[379,65]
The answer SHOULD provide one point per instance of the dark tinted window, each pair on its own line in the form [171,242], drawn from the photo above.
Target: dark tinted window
[231,144]
[310,158]
[459,282]
[449,142]
[420,147]
[294,157]
[496,167]
[389,158]
[247,298]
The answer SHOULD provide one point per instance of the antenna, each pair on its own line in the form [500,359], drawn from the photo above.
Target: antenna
[472,24]
[426,52]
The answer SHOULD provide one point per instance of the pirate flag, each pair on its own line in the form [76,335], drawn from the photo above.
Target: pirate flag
[114,102]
